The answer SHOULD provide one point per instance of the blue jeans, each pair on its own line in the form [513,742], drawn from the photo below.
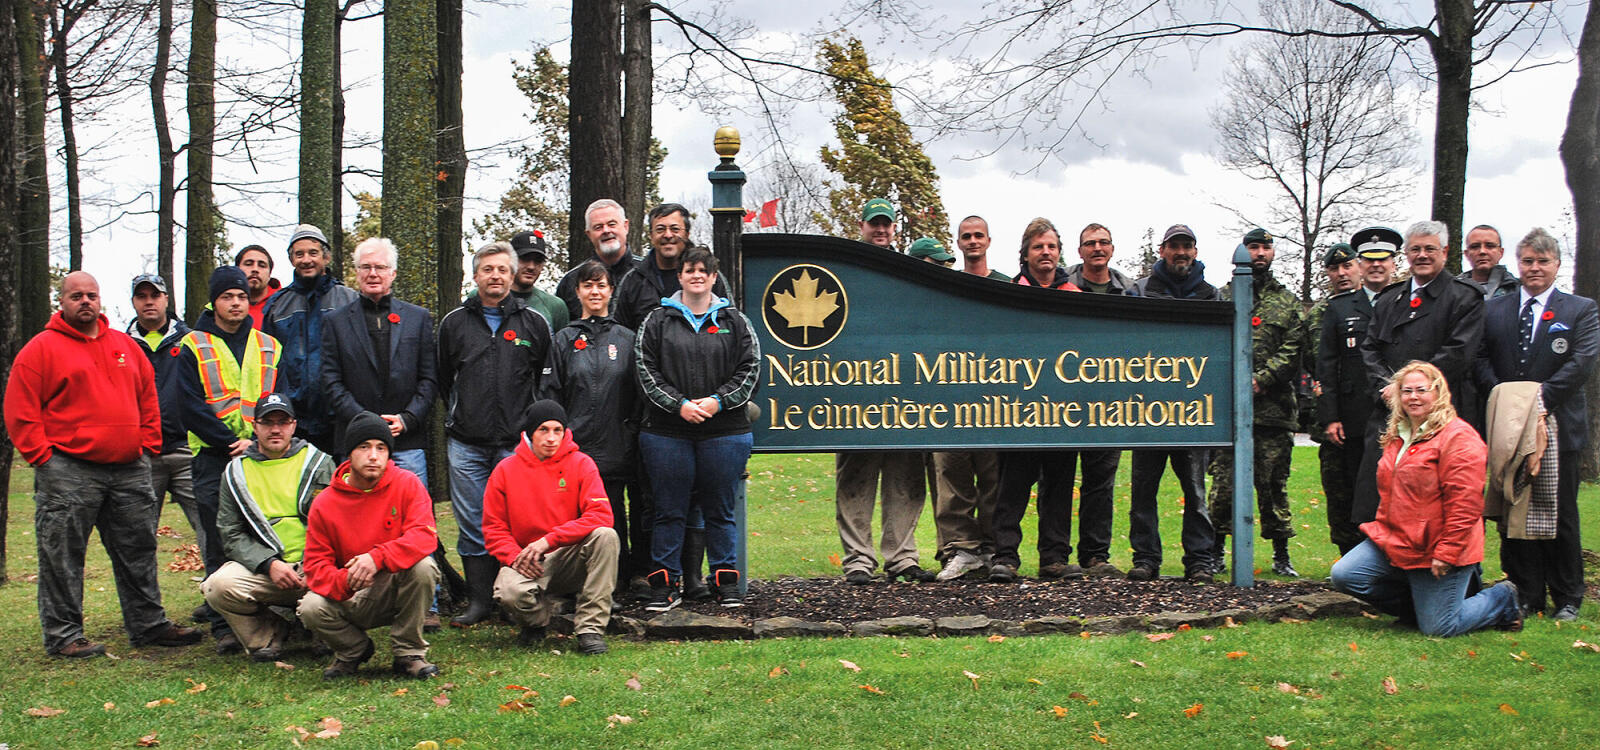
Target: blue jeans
[414,461]
[708,470]
[470,466]
[1441,605]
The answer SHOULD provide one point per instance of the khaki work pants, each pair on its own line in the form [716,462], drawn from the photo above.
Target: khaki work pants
[243,597]
[588,568]
[856,479]
[399,600]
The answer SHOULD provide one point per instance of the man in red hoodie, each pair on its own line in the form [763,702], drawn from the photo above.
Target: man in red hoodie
[546,517]
[81,408]
[368,558]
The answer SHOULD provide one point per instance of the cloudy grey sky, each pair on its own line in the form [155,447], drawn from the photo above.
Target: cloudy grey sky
[1145,163]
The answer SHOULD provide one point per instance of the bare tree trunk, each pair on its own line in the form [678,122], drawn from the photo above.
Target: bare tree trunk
[452,153]
[1452,56]
[452,186]
[1580,156]
[317,60]
[638,85]
[200,242]
[410,67]
[594,117]
[166,157]
[33,189]
[60,32]
[10,248]
[336,158]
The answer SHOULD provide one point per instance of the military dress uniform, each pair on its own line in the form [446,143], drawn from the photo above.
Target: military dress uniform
[1275,346]
[1347,399]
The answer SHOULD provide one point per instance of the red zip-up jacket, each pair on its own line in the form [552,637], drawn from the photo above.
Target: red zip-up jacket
[560,499]
[1432,503]
[393,521]
[92,398]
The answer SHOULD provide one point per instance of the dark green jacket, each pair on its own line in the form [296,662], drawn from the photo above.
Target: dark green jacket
[1277,337]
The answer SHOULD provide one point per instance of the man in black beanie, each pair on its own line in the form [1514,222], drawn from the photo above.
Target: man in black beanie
[368,562]
[546,517]
[225,366]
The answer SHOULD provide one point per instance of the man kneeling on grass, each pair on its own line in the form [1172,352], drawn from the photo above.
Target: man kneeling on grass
[546,517]
[263,503]
[368,558]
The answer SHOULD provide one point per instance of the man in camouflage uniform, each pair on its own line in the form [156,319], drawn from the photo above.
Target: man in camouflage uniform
[1276,338]
[1340,265]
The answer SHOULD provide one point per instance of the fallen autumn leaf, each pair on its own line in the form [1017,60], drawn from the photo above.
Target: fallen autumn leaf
[1158,637]
[441,700]
[160,702]
[972,677]
[1236,655]
[1060,712]
[1506,708]
[1194,710]
[567,700]
[1279,742]
[148,740]
[44,712]
[872,689]
[1389,686]
[850,665]
[633,683]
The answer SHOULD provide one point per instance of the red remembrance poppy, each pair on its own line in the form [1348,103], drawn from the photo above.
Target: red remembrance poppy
[510,336]
[1416,302]
[176,350]
[580,344]
[711,329]
[394,317]
[1255,321]
[1548,315]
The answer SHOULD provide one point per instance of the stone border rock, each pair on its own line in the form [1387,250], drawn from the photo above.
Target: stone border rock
[680,624]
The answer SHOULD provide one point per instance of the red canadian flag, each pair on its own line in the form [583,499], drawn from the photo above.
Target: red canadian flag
[749,216]
[769,213]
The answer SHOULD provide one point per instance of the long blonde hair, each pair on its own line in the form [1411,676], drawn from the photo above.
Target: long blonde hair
[1437,418]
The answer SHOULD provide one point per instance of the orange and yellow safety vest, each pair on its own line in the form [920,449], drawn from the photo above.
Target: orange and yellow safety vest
[232,389]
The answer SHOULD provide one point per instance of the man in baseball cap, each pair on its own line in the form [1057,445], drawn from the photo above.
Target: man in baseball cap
[877,223]
[532,252]
[264,502]
[933,251]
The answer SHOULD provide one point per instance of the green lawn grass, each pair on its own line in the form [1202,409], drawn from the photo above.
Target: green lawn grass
[1487,689]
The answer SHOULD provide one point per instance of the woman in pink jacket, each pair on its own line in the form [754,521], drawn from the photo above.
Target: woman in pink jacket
[1427,539]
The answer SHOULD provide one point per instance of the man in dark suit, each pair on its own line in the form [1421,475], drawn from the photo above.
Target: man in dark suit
[1344,404]
[1433,317]
[1543,335]
[378,356]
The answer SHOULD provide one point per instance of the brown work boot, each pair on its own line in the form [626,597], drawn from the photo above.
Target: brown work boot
[79,648]
[414,667]
[342,668]
[430,622]
[171,635]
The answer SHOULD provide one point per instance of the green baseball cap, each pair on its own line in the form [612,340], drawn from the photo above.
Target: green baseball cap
[877,207]
[928,247]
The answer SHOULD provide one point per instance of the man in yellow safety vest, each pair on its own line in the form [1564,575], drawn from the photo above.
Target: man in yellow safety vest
[226,365]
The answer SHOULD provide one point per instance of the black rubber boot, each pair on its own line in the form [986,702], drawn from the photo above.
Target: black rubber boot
[1219,554]
[480,572]
[1280,559]
[694,557]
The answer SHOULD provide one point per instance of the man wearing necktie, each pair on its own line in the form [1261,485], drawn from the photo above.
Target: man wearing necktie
[1543,335]
[1432,317]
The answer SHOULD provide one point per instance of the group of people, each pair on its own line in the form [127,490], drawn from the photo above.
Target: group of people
[596,438]
[1440,402]
[290,423]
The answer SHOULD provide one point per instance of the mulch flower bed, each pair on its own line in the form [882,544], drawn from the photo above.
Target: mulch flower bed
[831,599]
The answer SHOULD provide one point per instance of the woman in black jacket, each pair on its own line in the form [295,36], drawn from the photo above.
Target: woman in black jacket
[591,376]
[698,364]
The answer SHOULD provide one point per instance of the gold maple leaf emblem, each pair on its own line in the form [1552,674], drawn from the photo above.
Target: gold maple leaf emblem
[803,307]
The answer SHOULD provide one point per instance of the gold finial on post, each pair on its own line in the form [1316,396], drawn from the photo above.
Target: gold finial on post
[726,142]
